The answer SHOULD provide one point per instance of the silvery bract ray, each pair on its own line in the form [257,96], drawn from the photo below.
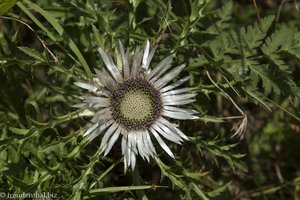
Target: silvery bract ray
[134,103]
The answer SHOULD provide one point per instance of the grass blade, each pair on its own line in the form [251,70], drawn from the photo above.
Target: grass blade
[61,32]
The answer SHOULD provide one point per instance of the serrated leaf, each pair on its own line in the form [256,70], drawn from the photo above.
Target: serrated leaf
[277,43]
[252,37]
[279,62]
[268,83]
[280,40]
[224,16]
[295,51]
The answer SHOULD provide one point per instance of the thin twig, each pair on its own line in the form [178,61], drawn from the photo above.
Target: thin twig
[270,189]
[258,17]
[296,5]
[243,125]
[279,11]
[42,41]
[231,85]
[231,117]
[213,82]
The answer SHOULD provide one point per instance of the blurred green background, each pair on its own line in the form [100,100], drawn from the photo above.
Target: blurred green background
[242,65]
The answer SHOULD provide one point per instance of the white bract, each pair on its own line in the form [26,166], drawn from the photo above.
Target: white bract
[134,103]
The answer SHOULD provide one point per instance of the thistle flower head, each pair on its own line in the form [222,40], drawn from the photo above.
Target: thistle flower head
[136,103]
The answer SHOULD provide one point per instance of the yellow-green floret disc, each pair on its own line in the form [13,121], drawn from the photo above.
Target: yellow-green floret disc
[136,105]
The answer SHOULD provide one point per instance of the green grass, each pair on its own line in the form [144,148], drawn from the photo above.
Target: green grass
[245,70]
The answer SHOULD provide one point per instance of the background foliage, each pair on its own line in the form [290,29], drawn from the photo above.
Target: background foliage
[245,69]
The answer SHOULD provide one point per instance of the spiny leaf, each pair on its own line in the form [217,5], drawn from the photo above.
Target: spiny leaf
[166,172]
[219,190]
[33,53]
[199,191]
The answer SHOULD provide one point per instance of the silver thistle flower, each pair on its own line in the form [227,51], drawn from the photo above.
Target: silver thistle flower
[135,103]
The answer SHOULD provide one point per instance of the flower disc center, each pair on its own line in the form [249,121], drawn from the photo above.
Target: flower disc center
[135,104]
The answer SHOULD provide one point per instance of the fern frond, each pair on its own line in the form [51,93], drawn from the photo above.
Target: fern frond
[268,82]
[252,37]
[224,15]
[280,40]
[275,58]
[221,19]
[295,49]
